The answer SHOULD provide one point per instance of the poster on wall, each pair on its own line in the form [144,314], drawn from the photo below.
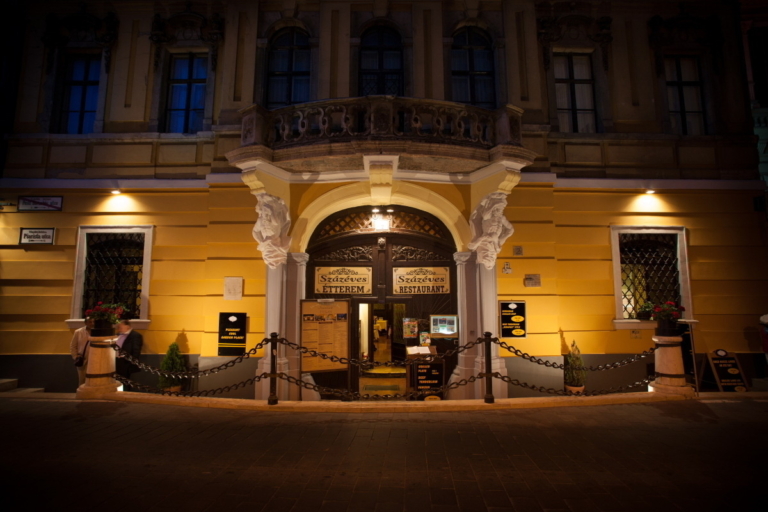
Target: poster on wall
[421,280]
[513,322]
[343,280]
[232,333]
[325,329]
[410,327]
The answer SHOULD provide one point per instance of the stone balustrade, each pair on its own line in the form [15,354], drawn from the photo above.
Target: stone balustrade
[381,118]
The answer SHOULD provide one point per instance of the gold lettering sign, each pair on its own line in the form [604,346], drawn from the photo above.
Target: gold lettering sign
[421,280]
[343,280]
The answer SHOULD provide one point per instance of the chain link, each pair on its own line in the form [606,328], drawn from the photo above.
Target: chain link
[563,392]
[366,364]
[204,392]
[550,364]
[193,374]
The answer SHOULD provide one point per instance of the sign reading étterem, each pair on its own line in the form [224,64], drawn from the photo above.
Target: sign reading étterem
[232,333]
[343,280]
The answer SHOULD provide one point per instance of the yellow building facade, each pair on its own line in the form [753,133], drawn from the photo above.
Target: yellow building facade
[415,131]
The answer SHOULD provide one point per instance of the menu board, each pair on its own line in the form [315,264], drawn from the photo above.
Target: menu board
[727,372]
[324,328]
[513,319]
[429,376]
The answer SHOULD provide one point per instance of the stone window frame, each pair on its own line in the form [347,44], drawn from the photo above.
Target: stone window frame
[80,260]
[619,321]
[267,56]
[354,55]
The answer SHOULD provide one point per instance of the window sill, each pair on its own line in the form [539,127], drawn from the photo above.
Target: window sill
[634,324]
[137,323]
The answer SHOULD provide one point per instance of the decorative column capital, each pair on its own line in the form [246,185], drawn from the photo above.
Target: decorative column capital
[461,258]
[300,258]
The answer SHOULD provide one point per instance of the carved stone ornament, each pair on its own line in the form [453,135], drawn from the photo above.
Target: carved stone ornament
[568,22]
[490,228]
[271,229]
[688,33]
[83,30]
[188,26]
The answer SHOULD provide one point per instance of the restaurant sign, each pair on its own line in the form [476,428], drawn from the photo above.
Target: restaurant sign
[343,280]
[421,280]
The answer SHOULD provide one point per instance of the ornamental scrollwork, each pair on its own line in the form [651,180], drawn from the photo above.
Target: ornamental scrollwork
[359,253]
[408,253]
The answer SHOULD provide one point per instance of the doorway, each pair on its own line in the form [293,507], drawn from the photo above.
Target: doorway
[390,245]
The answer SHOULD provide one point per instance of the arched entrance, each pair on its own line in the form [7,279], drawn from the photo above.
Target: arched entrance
[397,243]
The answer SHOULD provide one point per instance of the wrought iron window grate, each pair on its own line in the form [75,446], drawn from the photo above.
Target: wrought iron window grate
[114,264]
[649,270]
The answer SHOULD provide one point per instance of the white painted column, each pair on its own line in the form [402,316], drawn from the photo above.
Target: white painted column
[466,290]
[488,301]
[297,286]
[670,372]
[275,305]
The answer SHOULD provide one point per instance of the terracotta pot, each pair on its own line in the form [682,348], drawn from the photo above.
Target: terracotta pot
[173,389]
[644,315]
[666,327]
[102,327]
[575,389]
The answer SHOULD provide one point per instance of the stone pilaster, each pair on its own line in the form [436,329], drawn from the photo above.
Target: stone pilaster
[466,286]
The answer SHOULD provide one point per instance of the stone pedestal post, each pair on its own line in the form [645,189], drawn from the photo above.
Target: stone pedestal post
[670,373]
[100,369]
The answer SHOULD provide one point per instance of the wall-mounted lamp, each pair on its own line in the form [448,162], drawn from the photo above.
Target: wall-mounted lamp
[650,191]
[116,192]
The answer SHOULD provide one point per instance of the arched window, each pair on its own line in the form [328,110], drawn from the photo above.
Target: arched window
[381,62]
[288,71]
[472,74]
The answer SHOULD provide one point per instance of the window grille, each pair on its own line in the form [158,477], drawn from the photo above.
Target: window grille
[649,270]
[113,270]
[575,92]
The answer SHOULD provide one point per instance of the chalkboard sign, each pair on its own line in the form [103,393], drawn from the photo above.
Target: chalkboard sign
[232,331]
[429,375]
[513,319]
[727,372]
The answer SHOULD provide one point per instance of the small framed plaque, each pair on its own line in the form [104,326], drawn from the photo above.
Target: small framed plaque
[38,236]
[40,203]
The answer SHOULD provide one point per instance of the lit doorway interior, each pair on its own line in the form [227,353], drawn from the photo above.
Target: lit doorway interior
[381,340]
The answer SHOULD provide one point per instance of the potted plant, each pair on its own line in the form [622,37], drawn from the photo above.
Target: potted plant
[575,375]
[645,311]
[105,317]
[172,362]
[666,316]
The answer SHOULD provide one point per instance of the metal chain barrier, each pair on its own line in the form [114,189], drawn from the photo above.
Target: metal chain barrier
[204,392]
[354,395]
[364,363]
[562,392]
[550,364]
[194,374]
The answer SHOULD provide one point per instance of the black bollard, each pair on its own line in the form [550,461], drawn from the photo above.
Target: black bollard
[272,400]
[488,377]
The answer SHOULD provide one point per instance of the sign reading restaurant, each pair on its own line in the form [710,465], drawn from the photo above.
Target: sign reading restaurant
[421,280]
[343,280]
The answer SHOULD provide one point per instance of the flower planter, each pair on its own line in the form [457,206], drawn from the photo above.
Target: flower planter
[666,327]
[102,327]
[644,315]
[576,390]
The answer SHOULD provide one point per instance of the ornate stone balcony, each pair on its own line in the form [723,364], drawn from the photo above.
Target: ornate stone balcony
[429,135]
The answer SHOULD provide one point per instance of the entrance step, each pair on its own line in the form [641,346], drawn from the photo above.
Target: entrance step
[26,390]
[8,384]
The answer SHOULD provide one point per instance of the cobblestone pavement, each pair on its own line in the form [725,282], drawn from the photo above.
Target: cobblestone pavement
[692,455]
